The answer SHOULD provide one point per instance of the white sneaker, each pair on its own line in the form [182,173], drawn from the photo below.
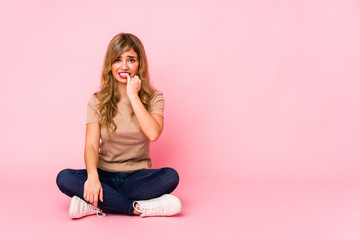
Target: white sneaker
[79,208]
[166,205]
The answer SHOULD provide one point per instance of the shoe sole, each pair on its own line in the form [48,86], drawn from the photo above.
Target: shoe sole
[172,199]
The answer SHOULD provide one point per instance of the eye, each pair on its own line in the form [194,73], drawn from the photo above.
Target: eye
[117,60]
[132,60]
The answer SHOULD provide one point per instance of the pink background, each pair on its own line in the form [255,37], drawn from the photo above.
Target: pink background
[261,120]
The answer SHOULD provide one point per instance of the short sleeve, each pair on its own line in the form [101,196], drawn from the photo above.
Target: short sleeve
[157,103]
[93,114]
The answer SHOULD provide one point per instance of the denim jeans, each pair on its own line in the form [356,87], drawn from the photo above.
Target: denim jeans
[120,190]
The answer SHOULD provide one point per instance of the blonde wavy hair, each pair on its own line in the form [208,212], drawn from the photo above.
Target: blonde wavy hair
[109,95]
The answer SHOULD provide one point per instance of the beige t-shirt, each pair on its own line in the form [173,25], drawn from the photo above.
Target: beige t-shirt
[128,149]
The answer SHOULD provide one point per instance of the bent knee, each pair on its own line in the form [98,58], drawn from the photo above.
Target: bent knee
[62,177]
[172,177]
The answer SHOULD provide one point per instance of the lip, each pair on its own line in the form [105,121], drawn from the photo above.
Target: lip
[123,77]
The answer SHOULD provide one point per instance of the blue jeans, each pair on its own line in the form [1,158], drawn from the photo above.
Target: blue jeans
[121,189]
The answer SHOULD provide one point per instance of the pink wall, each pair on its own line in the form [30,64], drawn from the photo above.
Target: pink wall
[259,90]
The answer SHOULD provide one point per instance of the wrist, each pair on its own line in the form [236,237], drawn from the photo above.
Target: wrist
[93,176]
[133,97]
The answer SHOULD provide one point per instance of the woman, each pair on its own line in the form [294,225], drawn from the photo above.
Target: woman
[122,118]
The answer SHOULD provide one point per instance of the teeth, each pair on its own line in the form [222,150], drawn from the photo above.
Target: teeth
[124,74]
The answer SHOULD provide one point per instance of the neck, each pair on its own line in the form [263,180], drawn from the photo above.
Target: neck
[122,89]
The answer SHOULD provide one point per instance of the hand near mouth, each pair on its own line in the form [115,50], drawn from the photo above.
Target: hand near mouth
[133,86]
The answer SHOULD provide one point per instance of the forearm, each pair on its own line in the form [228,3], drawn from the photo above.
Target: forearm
[91,160]
[150,127]
[92,186]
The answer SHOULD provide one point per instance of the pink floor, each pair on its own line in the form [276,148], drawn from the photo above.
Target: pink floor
[236,210]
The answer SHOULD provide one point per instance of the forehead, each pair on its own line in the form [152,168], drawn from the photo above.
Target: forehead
[131,52]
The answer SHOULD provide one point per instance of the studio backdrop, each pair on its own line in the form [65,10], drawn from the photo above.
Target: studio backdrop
[254,90]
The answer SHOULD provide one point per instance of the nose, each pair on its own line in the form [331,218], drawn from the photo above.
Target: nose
[123,65]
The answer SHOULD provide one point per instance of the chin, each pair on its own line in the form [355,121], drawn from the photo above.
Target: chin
[122,80]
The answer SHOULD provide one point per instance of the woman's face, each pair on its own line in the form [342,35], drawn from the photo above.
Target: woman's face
[126,64]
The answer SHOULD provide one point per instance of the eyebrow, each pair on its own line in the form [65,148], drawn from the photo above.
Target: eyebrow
[127,56]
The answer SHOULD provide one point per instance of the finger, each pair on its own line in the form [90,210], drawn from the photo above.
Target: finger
[101,195]
[92,199]
[95,200]
[85,196]
[136,79]
[128,77]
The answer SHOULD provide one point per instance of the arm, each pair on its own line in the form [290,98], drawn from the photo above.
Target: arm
[92,187]
[150,124]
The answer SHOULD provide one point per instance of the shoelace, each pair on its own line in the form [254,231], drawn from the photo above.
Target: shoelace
[149,208]
[98,211]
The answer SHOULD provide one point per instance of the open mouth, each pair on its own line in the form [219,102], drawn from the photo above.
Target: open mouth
[124,75]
